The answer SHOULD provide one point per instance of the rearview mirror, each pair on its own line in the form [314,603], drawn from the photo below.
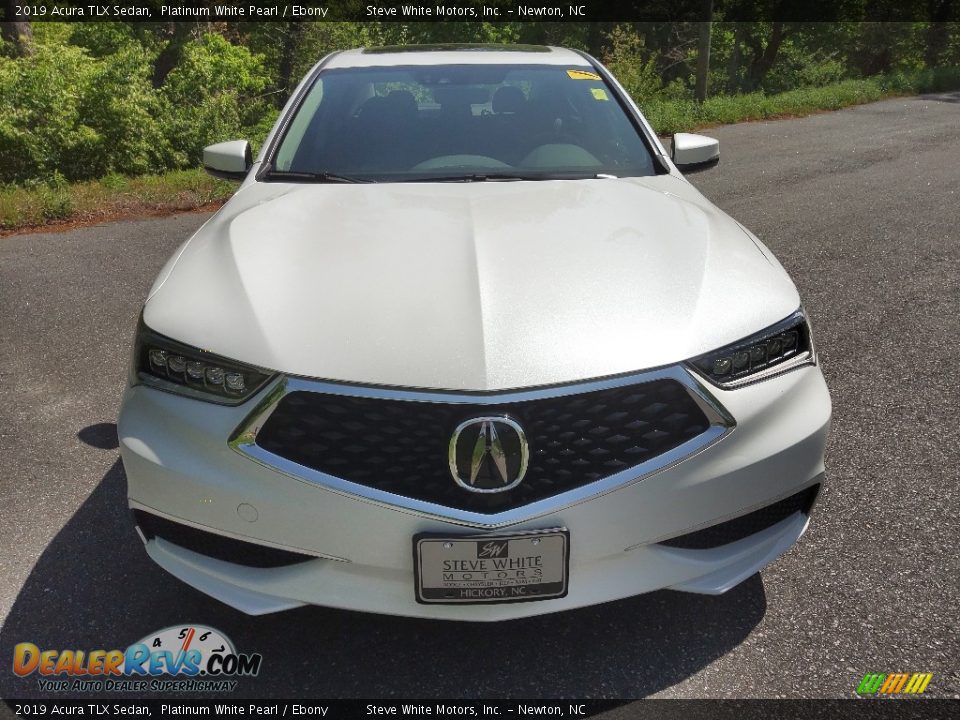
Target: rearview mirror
[228,160]
[694,152]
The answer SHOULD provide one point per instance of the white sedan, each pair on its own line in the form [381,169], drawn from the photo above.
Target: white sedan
[467,345]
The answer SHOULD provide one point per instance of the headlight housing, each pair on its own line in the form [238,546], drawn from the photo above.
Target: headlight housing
[175,367]
[779,348]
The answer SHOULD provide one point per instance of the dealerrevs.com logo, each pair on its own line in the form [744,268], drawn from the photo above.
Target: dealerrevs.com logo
[199,658]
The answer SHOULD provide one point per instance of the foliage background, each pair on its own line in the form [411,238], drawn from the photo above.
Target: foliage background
[92,100]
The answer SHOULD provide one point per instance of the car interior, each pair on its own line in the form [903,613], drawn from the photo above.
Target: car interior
[401,126]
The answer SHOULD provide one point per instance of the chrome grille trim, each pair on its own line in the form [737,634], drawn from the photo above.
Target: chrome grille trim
[244,442]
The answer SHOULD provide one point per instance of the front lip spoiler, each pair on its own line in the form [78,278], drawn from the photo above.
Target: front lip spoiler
[244,441]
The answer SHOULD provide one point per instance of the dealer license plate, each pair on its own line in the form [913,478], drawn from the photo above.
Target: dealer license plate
[491,568]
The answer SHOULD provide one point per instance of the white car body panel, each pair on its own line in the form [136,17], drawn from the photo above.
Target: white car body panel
[188,473]
[441,285]
[434,292]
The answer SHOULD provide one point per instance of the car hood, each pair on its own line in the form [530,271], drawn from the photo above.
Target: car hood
[468,286]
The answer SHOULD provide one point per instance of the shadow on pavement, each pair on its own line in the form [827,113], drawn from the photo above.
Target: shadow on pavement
[102,436]
[94,588]
[947,97]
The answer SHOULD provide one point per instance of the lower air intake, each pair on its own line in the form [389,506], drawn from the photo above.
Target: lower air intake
[216,546]
[746,525]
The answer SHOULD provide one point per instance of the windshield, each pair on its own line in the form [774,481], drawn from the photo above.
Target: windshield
[459,122]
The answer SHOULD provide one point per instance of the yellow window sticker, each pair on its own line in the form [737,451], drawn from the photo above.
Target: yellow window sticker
[599,94]
[582,75]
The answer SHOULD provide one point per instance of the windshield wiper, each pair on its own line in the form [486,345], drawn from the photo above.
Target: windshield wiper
[506,177]
[318,177]
[327,177]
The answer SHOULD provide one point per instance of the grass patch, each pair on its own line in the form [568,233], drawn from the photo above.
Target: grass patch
[670,116]
[113,196]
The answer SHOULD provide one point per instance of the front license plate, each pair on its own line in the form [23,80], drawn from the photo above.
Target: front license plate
[491,568]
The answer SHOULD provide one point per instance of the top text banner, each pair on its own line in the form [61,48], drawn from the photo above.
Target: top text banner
[482,11]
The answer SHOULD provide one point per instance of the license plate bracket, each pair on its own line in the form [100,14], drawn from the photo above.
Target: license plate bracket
[491,568]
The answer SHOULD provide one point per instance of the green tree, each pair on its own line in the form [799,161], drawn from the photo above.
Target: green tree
[215,93]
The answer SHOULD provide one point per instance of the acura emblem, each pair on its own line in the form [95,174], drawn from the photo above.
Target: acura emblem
[488,454]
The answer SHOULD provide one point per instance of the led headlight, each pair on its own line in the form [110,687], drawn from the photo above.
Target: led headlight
[172,366]
[775,350]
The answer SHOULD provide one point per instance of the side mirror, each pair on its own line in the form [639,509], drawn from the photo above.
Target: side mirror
[228,160]
[694,152]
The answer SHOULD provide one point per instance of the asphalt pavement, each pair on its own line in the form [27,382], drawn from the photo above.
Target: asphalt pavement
[862,206]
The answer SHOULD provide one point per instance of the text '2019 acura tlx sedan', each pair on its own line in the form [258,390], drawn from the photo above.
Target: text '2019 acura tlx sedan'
[465,344]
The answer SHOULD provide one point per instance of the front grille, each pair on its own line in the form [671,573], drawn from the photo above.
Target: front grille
[216,546]
[746,525]
[401,446]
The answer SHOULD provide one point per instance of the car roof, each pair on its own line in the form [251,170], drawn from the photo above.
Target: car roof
[460,54]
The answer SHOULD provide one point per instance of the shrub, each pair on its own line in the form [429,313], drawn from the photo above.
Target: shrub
[625,59]
[63,111]
[40,126]
[214,94]
[122,105]
[797,68]
[103,38]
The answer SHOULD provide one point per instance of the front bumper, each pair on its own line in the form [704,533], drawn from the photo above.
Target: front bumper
[180,466]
